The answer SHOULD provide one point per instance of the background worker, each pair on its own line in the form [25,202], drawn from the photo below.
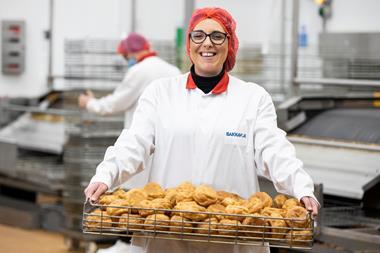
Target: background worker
[187,121]
[144,66]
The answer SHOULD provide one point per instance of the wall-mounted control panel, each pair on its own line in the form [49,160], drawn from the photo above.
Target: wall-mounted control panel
[12,47]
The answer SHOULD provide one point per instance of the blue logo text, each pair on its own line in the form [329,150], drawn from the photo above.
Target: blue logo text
[235,134]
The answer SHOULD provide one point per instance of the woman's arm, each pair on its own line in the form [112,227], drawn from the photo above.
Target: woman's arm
[128,155]
[124,96]
[276,159]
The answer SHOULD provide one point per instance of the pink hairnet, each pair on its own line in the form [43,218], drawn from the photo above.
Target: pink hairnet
[132,44]
[225,19]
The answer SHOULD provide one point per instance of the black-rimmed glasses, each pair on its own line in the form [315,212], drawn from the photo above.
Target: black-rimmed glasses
[216,37]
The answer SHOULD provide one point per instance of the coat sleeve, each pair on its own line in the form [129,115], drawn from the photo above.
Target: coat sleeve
[275,156]
[124,96]
[132,149]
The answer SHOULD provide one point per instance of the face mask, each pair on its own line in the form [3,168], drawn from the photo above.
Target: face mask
[131,62]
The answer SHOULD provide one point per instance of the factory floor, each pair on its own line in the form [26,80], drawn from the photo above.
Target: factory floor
[16,240]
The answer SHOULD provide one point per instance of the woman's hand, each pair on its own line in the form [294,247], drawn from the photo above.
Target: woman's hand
[311,205]
[85,98]
[95,190]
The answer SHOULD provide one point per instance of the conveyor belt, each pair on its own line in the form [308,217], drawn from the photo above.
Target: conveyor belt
[357,125]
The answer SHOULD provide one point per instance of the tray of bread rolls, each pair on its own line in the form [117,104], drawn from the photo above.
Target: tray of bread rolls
[201,214]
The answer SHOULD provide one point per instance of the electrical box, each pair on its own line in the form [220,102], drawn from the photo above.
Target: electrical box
[13,47]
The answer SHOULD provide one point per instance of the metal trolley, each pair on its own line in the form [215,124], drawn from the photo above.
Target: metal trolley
[97,221]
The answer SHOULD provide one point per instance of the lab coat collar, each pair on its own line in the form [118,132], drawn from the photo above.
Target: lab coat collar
[143,57]
[219,88]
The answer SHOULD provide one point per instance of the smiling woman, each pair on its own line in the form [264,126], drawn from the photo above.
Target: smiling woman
[227,25]
[208,57]
[206,127]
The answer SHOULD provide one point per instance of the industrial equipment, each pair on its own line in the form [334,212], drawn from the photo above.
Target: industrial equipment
[338,140]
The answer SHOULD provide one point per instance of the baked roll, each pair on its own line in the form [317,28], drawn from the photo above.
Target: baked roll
[170,194]
[254,226]
[228,227]
[131,221]
[289,203]
[184,192]
[223,195]
[209,225]
[186,186]
[119,193]
[193,207]
[294,213]
[264,197]
[216,208]
[157,222]
[118,207]
[180,224]
[279,200]
[278,225]
[299,237]
[205,195]
[232,201]
[234,209]
[106,199]
[154,190]
[145,204]
[254,205]
[267,211]
[161,203]
[97,220]
[135,196]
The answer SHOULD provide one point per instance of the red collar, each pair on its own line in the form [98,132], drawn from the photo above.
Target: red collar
[143,57]
[219,88]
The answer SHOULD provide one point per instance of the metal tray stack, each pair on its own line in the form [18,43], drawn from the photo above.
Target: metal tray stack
[88,138]
[82,154]
[100,223]
[31,166]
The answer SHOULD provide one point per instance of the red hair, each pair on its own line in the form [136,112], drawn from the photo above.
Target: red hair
[225,19]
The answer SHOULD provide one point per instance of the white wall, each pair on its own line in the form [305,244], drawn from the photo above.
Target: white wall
[355,15]
[159,20]
[112,19]
[258,22]
[33,81]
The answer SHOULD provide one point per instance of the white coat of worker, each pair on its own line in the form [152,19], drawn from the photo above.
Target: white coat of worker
[144,66]
[206,127]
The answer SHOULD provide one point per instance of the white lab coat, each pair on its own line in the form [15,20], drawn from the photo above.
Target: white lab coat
[224,140]
[127,93]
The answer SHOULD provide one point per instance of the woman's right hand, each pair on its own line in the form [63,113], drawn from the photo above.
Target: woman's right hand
[95,190]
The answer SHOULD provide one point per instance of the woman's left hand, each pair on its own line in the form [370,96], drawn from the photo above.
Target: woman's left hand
[311,205]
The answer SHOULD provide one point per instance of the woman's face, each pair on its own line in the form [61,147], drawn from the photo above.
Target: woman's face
[207,57]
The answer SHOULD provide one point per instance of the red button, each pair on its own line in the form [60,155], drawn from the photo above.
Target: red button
[14,28]
[13,66]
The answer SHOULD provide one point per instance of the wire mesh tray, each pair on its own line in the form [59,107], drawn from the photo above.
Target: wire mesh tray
[212,228]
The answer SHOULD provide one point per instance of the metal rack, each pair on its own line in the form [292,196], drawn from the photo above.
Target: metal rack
[32,166]
[33,146]
[95,64]
[198,231]
[83,152]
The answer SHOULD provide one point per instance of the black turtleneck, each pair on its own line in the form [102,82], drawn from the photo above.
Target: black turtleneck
[206,84]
